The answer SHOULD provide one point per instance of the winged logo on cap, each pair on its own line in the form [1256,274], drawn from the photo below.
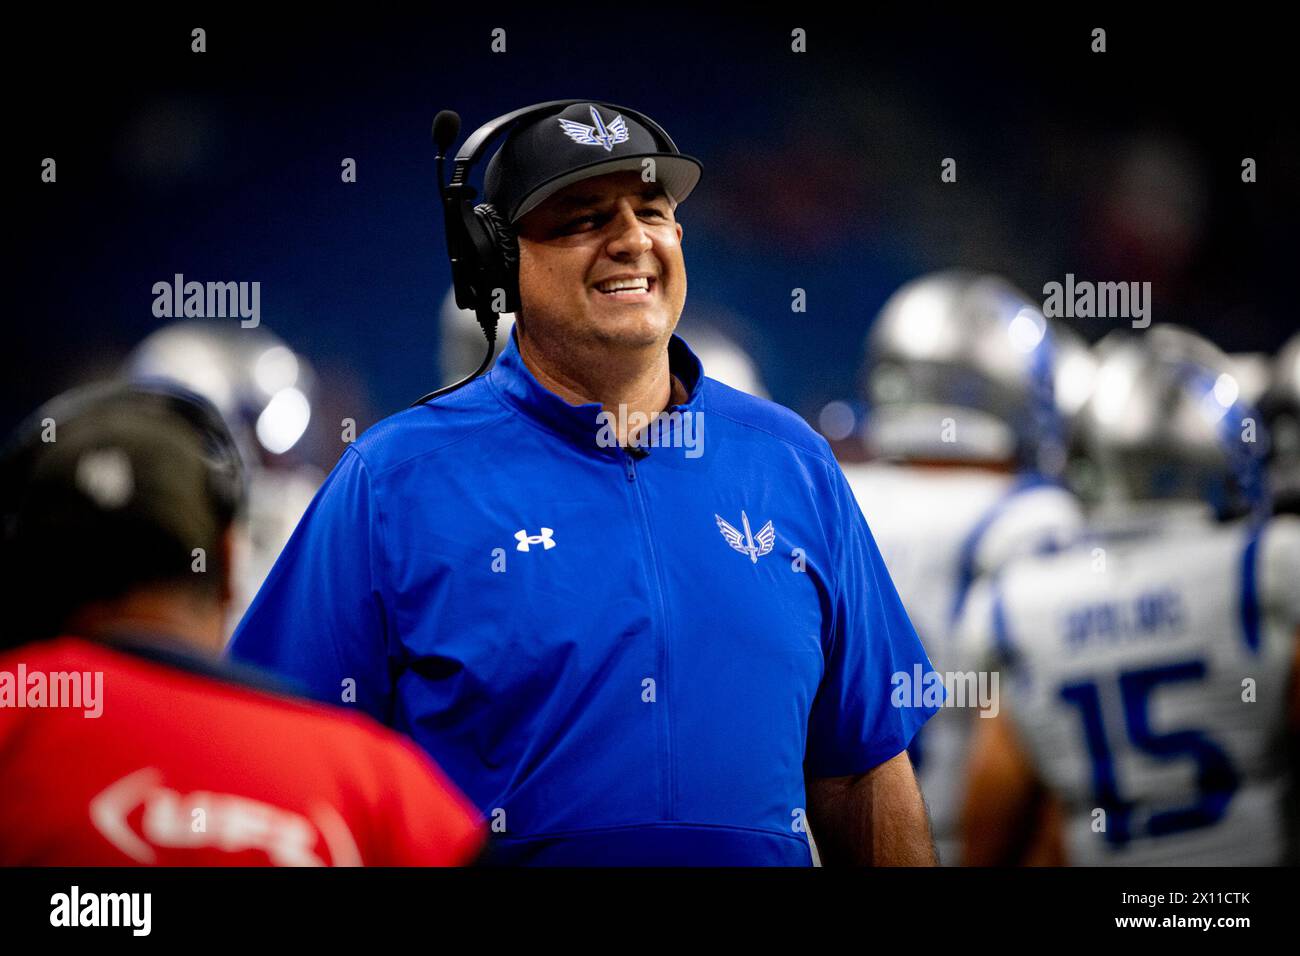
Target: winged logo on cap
[598,135]
[754,545]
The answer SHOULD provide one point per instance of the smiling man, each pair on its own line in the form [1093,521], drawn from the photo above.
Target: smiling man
[625,655]
[602,263]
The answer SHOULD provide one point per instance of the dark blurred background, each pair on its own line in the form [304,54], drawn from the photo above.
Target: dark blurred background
[821,172]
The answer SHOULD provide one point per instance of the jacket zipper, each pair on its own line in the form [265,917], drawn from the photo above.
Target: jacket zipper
[656,582]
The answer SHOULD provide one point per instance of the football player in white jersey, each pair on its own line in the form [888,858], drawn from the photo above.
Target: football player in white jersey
[964,429]
[264,392]
[1281,407]
[1148,676]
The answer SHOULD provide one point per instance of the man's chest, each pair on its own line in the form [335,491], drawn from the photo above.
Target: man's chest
[627,573]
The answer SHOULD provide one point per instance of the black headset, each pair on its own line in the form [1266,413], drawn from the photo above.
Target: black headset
[224,468]
[480,239]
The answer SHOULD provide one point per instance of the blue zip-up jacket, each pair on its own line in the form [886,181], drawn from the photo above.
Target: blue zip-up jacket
[610,652]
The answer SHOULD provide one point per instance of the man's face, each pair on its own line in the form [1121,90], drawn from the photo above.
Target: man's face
[574,244]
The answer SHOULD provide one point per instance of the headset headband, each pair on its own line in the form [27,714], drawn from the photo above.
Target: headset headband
[480,241]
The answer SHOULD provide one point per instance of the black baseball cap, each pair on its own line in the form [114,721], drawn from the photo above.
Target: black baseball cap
[546,154]
[119,498]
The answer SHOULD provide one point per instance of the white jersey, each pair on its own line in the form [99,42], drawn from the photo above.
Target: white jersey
[276,503]
[1149,680]
[939,531]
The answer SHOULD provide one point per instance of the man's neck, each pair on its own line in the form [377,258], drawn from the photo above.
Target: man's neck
[622,384]
[173,618]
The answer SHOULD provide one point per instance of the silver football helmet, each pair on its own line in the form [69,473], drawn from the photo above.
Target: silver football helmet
[1253,372]
[1166,423]
[264,392]
[960,366]
[722,357]
[261,387]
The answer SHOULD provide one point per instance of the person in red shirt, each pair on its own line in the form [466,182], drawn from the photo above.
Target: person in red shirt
[124,740]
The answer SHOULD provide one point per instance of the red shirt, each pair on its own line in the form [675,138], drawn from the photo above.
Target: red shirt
[182,768]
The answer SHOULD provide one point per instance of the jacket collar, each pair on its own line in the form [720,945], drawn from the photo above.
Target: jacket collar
[519,388]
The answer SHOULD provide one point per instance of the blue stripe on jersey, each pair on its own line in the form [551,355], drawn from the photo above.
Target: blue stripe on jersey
[1249,588]
[970,546]
[1001,633]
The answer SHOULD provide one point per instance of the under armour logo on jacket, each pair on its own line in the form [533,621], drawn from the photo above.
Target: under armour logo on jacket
[754,545]
[546,539]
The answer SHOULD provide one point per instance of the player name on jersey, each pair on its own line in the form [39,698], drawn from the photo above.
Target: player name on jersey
[1158,613]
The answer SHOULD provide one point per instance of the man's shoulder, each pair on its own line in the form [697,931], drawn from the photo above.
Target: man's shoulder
[197,687]
[763,417]
[430,428]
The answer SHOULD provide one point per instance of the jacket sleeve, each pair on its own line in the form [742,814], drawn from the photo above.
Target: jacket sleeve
[867,708]
[320,621]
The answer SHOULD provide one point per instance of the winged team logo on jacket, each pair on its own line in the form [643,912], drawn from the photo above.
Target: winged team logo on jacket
[598,135]
[754,545]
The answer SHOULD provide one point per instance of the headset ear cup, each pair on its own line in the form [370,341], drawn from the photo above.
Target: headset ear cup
[501,266]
